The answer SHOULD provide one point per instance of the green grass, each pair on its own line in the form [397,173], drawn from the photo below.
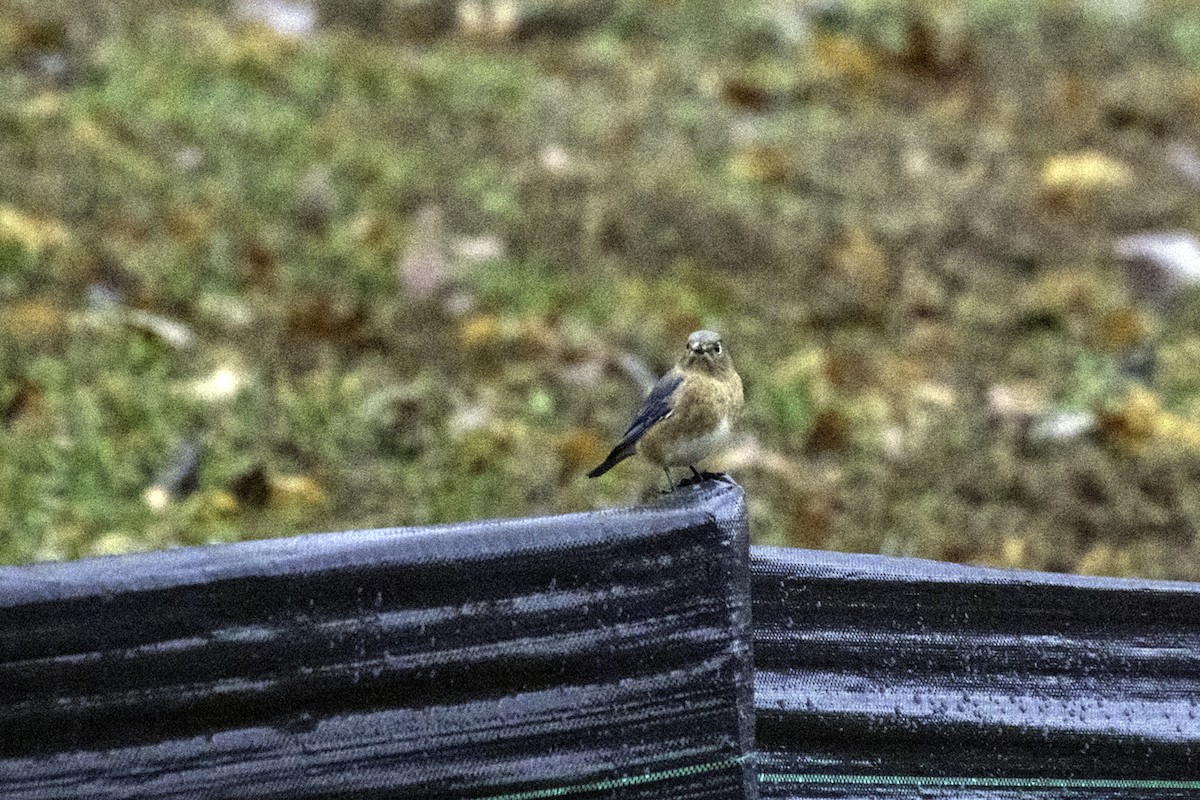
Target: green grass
[859,210]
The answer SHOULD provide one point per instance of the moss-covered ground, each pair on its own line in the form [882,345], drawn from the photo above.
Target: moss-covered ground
[415,265]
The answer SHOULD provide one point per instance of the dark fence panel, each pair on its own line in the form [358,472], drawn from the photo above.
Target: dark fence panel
[589,656]
[592,655]
[897,678]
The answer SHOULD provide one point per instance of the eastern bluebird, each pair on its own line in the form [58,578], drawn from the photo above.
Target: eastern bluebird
[688,414]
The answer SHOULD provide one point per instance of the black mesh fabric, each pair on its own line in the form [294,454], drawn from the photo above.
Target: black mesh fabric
[898,678]
[590,656]
[586,656]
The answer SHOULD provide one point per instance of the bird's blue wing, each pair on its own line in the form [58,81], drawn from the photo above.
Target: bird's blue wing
[658,404]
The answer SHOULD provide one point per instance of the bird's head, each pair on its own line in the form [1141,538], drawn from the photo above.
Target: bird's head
[706,352]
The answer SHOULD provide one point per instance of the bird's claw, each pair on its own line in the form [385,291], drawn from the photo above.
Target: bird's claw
[701,477]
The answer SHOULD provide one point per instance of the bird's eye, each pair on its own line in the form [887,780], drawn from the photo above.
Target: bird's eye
[717,349]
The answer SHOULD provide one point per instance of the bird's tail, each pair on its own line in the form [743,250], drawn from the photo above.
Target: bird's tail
[618,454]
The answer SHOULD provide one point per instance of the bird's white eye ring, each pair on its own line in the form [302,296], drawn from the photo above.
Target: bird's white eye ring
[717,349]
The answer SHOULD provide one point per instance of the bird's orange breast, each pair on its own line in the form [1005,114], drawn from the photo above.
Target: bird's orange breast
[700,422]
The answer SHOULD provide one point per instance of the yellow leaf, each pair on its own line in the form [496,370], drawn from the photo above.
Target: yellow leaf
[481,330]
[1121,329]
[116,543]
[1104,559]
[32,233]
[1084,172]
[760,164]
[43,105]
[297,492]
[581,449]
[38,319]
[1134,423]
[845,59]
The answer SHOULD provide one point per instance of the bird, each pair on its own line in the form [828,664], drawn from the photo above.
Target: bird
[689,413]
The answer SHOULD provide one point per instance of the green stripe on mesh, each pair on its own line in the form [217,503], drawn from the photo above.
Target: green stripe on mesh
[619,783]
[934,781]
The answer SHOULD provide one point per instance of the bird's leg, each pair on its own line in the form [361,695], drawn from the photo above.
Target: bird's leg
[670,482]
[697,478]
[708,476]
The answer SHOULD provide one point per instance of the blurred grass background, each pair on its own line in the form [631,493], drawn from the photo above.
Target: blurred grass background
[271,268]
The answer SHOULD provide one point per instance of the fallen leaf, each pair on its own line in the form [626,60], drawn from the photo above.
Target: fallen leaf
[34,234]
[297,492]
[1069,176]
[1159,265]
[424,268]
[35,320]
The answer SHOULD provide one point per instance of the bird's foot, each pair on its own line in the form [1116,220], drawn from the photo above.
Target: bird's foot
[700,477]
